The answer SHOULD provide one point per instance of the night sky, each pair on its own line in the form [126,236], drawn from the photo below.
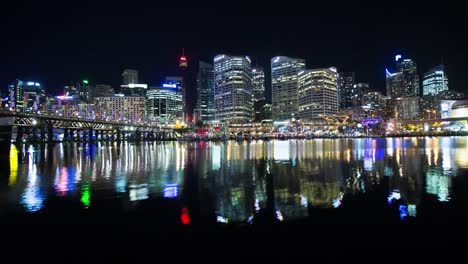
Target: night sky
[58,43]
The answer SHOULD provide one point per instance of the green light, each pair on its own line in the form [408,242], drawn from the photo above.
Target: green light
[85,81]
[86,196]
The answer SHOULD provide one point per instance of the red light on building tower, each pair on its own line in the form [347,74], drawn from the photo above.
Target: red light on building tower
[183,60]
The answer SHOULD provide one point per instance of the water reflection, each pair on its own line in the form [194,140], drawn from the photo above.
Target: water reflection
[285,178]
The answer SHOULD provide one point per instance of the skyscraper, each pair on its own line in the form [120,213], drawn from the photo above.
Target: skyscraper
[435,81]
[318,93]
[410,77]
[394,84]
[205,108]
[345,89]
[27,97]
[258,82]
[233,89]
[129,76]
[164,103]
[404,82]
[284,87]
[179,81]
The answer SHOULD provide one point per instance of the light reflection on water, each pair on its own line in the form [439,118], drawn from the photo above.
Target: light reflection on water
[242,178]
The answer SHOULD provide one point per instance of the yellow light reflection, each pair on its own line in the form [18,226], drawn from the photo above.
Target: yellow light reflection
[13,165]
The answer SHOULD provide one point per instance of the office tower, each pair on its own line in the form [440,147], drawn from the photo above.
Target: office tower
[129,76]
[258,83]
[27,97]
[345,89]
[435,81]
[318,93]
[164,103]
[284,87]
[410,77]
[179,80]
[121,108]
[233,89]
[103,90]
[205,92]
[394,84]
[405,81]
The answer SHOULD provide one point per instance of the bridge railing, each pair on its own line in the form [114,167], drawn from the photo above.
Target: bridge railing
[94,120]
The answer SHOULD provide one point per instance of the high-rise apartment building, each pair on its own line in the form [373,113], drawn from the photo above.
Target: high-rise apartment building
[233,94]
[284,86]
[318,93]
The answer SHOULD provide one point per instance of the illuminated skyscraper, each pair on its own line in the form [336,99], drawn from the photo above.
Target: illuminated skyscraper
[394,84]
[410,77]
[345,89]
[179,81]
[405,82]
[284,87]
[205,108]
[164,104]
[129,76]
[435,81]
[27,97]
[318,93]
[233,94]
[258,82]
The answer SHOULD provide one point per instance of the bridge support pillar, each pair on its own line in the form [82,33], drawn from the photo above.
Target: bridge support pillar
[91,139]
[50,134]
[137,135]
[19,135]
[118,135]
[34,135]
[65,135]
[78,136]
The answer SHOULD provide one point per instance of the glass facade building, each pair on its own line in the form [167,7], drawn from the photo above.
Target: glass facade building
[284,86]
[233,93]
[205,92]
[435,81]
[318,93]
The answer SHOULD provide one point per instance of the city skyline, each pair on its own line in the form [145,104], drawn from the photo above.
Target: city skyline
[88,43]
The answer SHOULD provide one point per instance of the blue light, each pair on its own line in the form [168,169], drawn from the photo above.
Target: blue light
[30,83]
[397,57]
[170,191]
[389,74]
[403,212]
